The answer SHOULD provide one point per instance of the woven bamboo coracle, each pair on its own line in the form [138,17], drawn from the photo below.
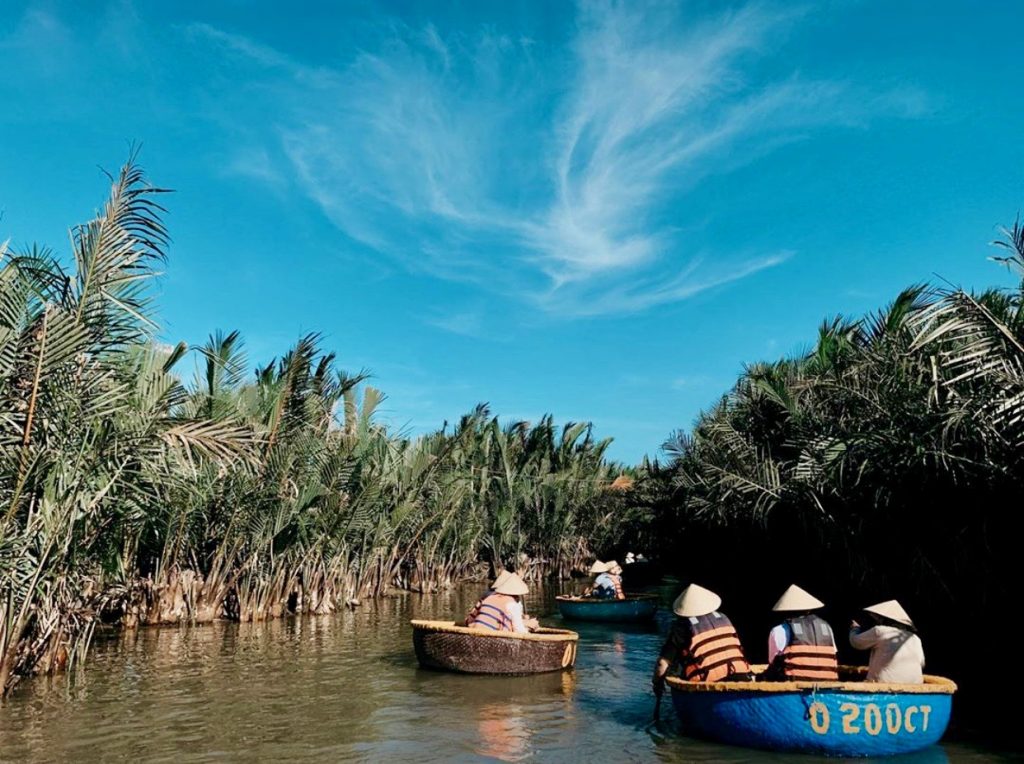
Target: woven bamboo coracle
[443,645]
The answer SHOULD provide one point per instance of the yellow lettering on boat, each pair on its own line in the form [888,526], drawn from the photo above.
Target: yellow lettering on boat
[925,712]
[818,713]
[872,719]
[907,724]
[850,714]
[893,718]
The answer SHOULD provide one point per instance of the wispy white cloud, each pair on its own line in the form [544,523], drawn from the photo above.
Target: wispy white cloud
[461,156]
[467,323]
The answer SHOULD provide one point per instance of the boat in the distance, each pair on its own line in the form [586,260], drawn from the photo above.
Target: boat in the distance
[635,607]
[850,717]
[642,572]
[444,645]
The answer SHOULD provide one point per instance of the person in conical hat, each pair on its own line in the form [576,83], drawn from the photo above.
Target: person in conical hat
[608,583]
[803,647]
[490,590]
[897,655]
[702,645]
[502,609]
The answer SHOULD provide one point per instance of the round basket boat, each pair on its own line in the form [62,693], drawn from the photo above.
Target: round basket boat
[443,645]
[636,607]
[846,718]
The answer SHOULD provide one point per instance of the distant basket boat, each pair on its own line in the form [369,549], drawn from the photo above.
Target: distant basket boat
[443,645]
[636,607]
[641,573]
[845,718]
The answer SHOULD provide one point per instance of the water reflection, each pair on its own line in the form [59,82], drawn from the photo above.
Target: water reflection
[503,732]
[346,687]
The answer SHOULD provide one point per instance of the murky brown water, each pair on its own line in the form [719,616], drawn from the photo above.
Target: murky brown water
[347,687]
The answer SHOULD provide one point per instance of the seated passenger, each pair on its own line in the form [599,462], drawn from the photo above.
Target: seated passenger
[803,647]
[897,655]
[608,584]
[703,645]
[476,608]
[502,609]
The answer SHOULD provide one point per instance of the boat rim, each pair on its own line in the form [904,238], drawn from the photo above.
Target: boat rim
[544,634]
[932,685]
[597,601]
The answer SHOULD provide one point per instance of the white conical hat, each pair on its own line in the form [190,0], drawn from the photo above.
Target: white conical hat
[696,600]
[892,610]
[599,567]
[613,566]
[795,599]
[513,585]
[502,577]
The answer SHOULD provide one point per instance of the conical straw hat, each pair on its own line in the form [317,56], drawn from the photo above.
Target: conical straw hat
[892,610]
[599,567]
[502,577]
[795,599]
[696,600]
[613,567]
[513,585]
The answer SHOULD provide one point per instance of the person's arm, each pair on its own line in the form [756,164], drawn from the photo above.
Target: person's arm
[515,613]
[669,652]
[861,638]
[658,680]
[778,639]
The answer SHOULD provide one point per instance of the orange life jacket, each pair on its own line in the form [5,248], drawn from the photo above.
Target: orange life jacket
[810,655]
[715,651]
[476,607]
[617,580]
[490,613]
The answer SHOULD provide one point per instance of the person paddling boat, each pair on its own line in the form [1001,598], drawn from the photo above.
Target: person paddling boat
[702,645]
[608,583]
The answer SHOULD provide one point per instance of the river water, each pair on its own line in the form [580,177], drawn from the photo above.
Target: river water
[347,687]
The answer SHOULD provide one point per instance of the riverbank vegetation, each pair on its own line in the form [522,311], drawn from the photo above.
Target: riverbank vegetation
[144,484]
[886,461]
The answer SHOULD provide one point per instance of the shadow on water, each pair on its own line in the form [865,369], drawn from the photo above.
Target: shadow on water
[347,687]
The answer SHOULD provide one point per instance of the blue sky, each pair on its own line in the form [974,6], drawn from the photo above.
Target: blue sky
[596,210]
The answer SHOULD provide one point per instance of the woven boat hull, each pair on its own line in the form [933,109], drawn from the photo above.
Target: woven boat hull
[443,645]
[635,608]
[830,718]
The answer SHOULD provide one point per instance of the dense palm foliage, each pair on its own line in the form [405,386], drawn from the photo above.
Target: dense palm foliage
[887,461]
[136,493]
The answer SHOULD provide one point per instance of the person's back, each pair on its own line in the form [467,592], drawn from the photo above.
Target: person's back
[703,644]
[493,613]
[897,654]
[802,648]
[608,583]
[707,648]
[502,610]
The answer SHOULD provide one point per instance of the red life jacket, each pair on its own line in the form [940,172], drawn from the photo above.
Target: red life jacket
[490,613]
[810,655]
[715,651]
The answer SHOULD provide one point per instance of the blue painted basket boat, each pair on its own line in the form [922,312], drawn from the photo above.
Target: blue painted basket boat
[845,718]
[636,607]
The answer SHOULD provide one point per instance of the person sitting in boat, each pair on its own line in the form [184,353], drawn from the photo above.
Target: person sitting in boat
[897,655]
[702,646]
[803,647]
[608,584]
[502,609]
[476,607]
